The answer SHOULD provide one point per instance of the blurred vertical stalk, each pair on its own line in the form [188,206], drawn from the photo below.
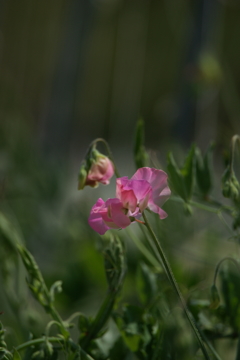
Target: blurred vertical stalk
[128,62]
[175,286]
[115,267]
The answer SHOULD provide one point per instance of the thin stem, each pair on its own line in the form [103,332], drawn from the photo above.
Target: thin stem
[139,221]
[37,342]
[100,319]
[212,209]
[73,316]
[55,315]
[175,286]
[52,339]
[49,325]
[220,263]
[235,138]
[238,349]
[223,220]
[117,174]
[211,347]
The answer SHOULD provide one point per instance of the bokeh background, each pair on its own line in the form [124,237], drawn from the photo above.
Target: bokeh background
[74,70]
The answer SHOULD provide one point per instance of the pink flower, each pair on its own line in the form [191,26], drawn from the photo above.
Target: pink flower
[108,215]
[147,188]
[134,194]
[101,171]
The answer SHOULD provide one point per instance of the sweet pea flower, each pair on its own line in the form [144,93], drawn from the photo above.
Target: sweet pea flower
[100,170]
[147,188]
[108,215]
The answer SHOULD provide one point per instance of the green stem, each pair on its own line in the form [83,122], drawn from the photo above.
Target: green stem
[74,347]
[235,138]
[212,209]
[117,174]
[211,347]
[55,315]
[101,318]
[238,349]
[175,286]
[220,263]
[37,342]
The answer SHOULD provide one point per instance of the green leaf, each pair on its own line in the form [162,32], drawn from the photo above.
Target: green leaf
[140,154]
[16,355]
[204,170]
[146,283]
[188,171]
[119,350]
[231,295]
[182,180]
[133,328]
[9,233]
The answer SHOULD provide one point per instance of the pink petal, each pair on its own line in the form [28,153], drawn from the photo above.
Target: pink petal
[158,181]
[156,178]
[126,194]
[118,217]
[162,197]
[109,173]
[96,222]
[129,200]
[101,171]
[95,219]
[132,192]
[116,214]
[142,191]
[153,207]
[120,183]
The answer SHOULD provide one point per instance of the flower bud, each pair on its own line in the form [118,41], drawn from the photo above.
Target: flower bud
[82,175]
[231,187]
[96,169]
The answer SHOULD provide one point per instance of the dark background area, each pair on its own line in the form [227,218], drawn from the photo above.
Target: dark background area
[75,70]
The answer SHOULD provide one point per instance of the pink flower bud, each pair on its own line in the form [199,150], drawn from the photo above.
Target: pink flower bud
[96,168]
[101,171]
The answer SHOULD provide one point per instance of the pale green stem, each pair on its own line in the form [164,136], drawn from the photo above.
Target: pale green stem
[74,347]
[238,349]
[211,347]
[37,342]
[220,263]
[235,138]
[57,317]
[50,324]
[223,220]
[101,318]
[73,316]
[175,286]
[216,210]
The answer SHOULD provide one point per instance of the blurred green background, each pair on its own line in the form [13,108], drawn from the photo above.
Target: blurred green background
[71,71]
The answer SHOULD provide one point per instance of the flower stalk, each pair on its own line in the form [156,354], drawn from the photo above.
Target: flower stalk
[175,286]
